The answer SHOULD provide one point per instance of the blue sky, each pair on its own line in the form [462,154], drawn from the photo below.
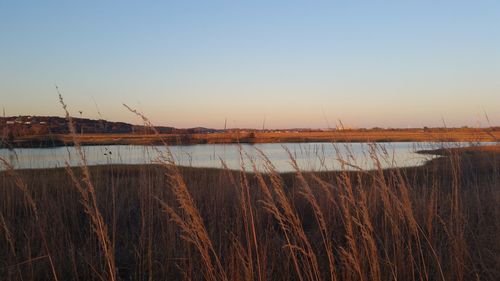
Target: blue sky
[294,63]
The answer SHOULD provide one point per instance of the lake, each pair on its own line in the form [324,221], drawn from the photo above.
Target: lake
[309,156]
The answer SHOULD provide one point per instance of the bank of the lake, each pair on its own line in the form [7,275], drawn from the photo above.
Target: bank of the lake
[354,135]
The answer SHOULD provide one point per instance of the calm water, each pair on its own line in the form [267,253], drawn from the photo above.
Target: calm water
[310,156]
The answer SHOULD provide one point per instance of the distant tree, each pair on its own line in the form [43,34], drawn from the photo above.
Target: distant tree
[10,136]
[250,138]
[7,138]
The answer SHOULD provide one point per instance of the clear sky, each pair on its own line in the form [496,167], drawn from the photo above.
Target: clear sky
[294,63]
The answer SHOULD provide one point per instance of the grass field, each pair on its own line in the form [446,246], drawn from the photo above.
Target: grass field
[161,222]
[375,135]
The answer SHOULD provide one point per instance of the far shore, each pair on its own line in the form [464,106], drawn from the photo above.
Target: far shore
[395,135]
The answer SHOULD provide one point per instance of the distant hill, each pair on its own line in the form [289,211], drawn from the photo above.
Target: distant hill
[20,126]
[46,131]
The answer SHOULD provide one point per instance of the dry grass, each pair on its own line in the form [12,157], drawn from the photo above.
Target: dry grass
[165,222]
[87,191]
[438,222]
[375,135]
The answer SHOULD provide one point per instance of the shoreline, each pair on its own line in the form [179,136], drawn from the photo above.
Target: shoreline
[468,150]
[368,136]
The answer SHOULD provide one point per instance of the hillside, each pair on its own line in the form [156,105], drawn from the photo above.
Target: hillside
[36,131]
[22,126]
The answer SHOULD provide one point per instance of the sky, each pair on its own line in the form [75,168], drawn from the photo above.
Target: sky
[291,63]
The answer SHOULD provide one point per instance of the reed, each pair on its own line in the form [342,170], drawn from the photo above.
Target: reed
[163,221]
[89,199]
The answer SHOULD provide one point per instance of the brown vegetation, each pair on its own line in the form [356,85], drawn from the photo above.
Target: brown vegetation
[411,135]
[42,131]
[162,222]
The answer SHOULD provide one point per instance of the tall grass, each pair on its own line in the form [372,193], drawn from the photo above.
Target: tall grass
[166,222]
[85,187]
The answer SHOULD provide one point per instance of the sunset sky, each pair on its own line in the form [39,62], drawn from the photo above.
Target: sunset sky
[294,63]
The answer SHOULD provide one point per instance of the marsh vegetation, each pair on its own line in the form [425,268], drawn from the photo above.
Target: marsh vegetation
[163,222]
[439,221]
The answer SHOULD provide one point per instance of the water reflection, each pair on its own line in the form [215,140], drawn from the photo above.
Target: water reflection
[309,156]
